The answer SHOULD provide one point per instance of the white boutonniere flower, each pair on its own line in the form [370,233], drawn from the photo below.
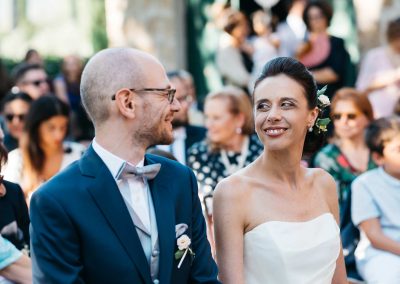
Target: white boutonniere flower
[183,243]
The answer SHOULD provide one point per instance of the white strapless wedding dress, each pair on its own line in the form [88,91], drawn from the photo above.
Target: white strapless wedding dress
[279,252]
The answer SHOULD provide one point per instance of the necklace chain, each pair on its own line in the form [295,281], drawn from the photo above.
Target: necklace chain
[232,168]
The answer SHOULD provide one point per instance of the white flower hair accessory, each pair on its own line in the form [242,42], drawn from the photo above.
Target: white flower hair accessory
[322,102]
[183,243]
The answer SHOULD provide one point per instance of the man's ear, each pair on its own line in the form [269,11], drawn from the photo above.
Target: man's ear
[125,101]
[377,158]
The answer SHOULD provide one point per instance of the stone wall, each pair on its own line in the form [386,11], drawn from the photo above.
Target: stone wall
[156,26]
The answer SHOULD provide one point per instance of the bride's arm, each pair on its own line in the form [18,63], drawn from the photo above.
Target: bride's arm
[229,229]
[329,187]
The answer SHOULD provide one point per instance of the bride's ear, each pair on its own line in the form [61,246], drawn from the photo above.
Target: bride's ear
[313,116]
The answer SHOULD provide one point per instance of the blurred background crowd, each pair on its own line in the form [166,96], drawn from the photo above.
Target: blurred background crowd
[213,52]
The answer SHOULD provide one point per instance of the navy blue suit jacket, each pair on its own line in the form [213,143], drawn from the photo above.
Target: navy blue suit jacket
[81,230]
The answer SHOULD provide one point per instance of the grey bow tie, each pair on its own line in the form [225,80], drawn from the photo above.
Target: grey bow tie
[127,171]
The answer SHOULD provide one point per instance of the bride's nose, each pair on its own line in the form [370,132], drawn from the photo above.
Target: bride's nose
[274,114]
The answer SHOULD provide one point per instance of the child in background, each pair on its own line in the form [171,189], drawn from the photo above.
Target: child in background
[376,205]
[265,44]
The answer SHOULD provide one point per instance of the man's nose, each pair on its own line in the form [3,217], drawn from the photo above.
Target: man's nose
[176,105]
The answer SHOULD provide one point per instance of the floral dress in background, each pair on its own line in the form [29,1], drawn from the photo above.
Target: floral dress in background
[331,159]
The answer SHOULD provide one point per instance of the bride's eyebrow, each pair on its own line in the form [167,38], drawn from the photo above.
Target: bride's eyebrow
[262,101]
[289,99]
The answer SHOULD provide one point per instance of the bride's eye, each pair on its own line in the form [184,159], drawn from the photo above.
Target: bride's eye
[287,104]
[263,107]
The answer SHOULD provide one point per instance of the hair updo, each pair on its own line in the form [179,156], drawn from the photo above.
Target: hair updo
[298,72]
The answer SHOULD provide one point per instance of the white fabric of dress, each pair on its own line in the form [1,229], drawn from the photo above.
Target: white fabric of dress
[278,252]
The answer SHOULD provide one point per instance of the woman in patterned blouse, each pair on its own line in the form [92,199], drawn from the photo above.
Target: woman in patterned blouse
[345,158]
[230,144]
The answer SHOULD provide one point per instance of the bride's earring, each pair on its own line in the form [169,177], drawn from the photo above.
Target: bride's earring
[310,129]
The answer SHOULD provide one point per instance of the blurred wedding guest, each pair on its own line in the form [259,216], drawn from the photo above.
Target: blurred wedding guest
[14,217]
[31,79]
[230,145]
[66,87]
[185,134]
[376,205]
[5,80]
[14,109]
[196,116]
[265,43]
[43,151]
[379,74]
[289,24]
[397,108]
[345,158]
[15,267]
[32,56]
[233,56]
[323,54]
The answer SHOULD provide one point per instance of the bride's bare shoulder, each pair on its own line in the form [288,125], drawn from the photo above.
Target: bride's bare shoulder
[325,183]
[234,187]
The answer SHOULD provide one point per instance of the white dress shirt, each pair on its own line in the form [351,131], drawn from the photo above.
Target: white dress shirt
[134,190]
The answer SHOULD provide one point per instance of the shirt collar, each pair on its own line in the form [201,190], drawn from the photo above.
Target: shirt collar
[113,162]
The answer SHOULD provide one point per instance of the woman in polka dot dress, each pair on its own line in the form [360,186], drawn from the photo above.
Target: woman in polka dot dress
[230,144]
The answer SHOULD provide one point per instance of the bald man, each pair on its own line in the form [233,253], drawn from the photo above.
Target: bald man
[118,215]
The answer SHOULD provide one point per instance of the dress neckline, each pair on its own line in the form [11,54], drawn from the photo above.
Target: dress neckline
[327,214]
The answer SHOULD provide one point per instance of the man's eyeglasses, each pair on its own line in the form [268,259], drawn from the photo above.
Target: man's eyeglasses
[169,92]
[36,83]
[10,117]
[350,116]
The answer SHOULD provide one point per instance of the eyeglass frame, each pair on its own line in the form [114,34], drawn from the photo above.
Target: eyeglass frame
[170,92]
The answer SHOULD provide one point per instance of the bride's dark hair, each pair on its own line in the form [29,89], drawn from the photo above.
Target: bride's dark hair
[297,71]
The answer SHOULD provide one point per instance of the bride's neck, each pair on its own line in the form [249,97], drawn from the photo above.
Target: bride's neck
[283,165]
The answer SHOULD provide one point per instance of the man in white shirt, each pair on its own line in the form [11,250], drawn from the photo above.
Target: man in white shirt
[118,215]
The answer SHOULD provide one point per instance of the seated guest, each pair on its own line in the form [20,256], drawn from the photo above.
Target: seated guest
[15,267]
[14,217]
[14,108]
[185,134]
[31,79]
[379,74]
[230,145]
[345,158]
[376,205]
[43,151]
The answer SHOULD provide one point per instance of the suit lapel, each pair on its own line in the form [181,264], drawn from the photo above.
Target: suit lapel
[165,215]
[106,195]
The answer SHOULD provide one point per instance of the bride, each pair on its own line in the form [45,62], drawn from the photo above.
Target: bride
[276,221]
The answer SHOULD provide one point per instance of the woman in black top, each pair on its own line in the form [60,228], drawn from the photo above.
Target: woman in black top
[14,217]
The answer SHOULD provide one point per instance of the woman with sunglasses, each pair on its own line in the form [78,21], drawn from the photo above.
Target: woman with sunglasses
[14,106]
[43,151]
[346,158]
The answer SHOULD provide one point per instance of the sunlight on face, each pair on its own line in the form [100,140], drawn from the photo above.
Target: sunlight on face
[348,120]
[281,112]
[53,131]
[391,157]
[220,122]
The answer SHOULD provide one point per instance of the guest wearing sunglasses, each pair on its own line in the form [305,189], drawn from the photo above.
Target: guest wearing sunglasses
[14,108]
[345,158]
[31,79]
[43,151]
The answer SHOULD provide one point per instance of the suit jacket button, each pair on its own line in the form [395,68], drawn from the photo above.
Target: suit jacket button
[155,253]
[156,281]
